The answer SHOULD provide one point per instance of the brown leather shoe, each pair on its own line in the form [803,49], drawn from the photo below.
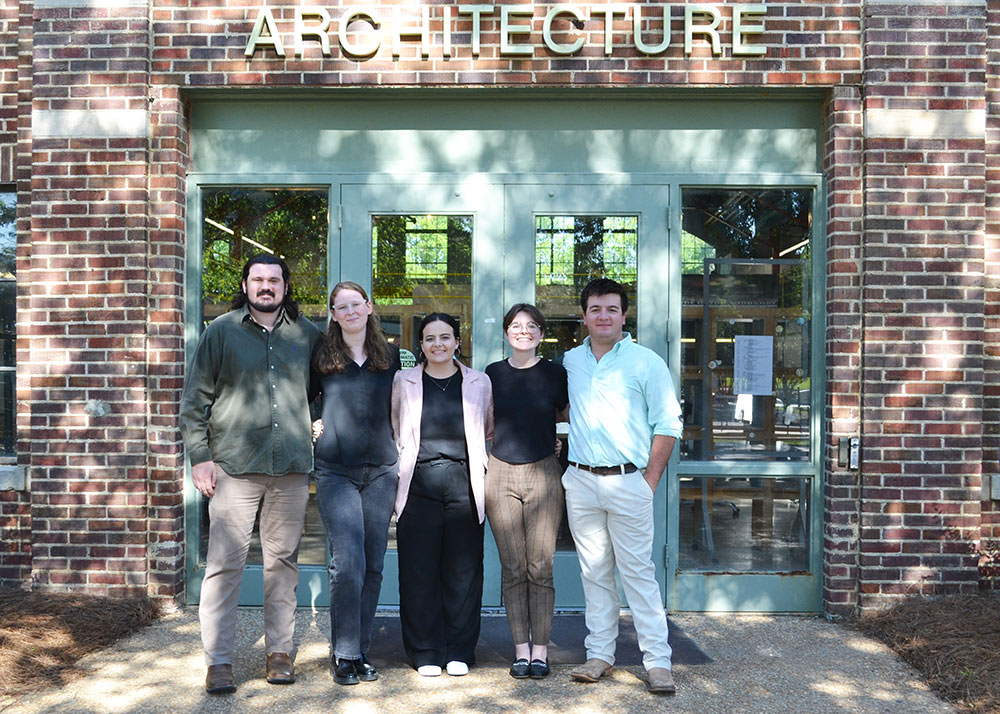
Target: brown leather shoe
[661,681]
[219,679]
[279,668]
[591,670]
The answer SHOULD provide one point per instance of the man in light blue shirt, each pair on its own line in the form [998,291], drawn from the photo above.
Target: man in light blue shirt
[624,420]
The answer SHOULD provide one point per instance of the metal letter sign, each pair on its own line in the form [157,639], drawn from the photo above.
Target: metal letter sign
[563,29]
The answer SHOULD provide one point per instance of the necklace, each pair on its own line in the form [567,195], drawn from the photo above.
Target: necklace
[437,383]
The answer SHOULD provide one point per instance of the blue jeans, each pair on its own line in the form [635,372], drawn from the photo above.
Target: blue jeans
[356,503]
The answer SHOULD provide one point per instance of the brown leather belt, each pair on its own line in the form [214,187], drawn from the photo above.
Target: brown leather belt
[619,470]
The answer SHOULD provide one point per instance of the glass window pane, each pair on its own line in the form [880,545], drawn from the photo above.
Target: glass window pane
[238,223]
[746,264]
[8,322]
[422,263]
[8,413]
[570,251]
[744,524]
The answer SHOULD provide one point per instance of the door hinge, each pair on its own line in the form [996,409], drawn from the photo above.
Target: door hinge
[666,558]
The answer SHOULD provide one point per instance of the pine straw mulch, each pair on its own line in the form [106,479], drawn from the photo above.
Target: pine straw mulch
[43,634]
[953,641]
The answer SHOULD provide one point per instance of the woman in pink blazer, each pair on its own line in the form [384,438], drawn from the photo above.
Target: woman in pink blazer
[442,416]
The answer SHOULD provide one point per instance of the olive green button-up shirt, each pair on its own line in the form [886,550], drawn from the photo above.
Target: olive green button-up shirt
[246,403]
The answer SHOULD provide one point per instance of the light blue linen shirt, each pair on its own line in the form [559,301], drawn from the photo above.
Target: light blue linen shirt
[617,405]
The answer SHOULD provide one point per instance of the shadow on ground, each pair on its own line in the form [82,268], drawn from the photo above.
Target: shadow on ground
[760,664]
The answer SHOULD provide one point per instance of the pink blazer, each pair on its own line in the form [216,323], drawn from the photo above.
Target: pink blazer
[477,411]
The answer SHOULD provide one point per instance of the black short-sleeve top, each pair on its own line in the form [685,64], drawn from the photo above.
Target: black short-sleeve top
[525,404]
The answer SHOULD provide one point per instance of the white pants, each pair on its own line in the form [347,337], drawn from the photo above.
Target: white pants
[611,519]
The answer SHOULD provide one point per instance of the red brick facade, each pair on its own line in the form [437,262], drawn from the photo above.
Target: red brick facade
[912,333]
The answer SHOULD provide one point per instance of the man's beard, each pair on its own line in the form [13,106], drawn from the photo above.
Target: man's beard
[269,307]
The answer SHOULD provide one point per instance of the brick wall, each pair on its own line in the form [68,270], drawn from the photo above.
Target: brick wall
[923,277]
[990,544]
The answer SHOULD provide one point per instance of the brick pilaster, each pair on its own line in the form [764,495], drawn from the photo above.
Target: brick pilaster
[842,165]
[923,267]
[89,283]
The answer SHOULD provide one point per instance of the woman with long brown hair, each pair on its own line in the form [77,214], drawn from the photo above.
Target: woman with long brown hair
[356,471]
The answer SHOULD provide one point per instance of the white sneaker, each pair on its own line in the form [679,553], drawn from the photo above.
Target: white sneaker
[456,668]
[429,670]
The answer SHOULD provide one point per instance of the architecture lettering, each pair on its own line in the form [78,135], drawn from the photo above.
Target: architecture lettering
[362,31]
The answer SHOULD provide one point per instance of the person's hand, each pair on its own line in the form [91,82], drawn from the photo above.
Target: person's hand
[558,446]
[203,475]
[317,429]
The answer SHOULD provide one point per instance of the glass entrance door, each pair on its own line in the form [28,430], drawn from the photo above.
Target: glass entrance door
[558,238]
[747,482]
[423,248]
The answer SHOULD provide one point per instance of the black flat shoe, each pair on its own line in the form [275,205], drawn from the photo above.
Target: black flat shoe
[365,670]
[538,669]
[520,669]
[345,672]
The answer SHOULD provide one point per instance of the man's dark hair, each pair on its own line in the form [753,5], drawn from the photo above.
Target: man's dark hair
[603,286]
[288,304]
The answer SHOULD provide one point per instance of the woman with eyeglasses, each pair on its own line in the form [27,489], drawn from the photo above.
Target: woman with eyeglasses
[442,416]
[356,471]
[524,496]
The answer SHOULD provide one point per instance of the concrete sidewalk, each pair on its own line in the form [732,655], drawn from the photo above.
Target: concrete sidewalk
[761,664]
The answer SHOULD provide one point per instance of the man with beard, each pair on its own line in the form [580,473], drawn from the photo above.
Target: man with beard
[246,425]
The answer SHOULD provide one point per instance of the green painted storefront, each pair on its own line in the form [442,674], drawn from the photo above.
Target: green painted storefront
[709,205]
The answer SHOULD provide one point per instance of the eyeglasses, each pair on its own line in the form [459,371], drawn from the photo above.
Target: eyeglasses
[354,306]
[516,327]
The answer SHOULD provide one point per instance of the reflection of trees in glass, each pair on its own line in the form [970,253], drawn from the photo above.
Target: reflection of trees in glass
[694,251]
[572,250]
[758,243]
[8,233]
[8,321]
[410,250]
[749,223]
[242,222]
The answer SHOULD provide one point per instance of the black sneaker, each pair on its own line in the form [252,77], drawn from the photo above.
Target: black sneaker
[365,670]
[345,672]
[520,669]
[538,669]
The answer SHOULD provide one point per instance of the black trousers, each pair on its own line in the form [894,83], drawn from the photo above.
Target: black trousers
[440,547]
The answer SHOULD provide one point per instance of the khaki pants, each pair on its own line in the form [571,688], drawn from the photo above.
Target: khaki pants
[232,511]
[611,519]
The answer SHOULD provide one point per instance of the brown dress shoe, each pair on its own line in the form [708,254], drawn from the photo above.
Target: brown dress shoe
[591,670]
[219,679]
[661,681]
[279,668]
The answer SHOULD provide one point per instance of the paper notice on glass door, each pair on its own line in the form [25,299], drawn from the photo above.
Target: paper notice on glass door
[753,364]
